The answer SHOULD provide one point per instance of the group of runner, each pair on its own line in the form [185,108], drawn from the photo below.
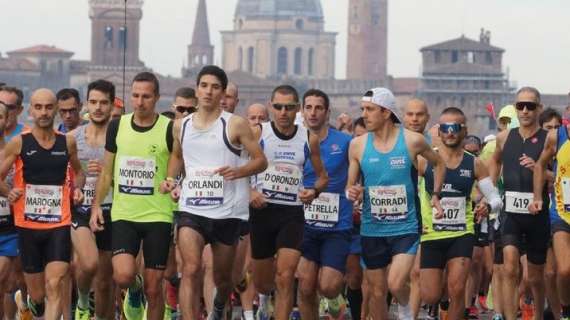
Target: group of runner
[186,210]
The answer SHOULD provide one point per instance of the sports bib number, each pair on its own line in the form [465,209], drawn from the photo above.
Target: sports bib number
[136,175]
[204,188]
[281,181]
[388,202]
[453,215]
[325,208]
[566,193]
[43,203]
[518,202]
[89,192]
[4,210]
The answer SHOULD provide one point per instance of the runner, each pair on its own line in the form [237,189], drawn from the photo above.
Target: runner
[516,152]
[136,156]
[214,190]
[93,252]
[557,146]
[12,97]
[276,217]
[416,118]
[8,234]
[257,114]
[328,219]
[185,102]
[386,158]
[230,99]
[69,107]
[43,189]
[448,239]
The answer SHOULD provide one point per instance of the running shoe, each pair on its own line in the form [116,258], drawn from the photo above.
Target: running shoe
[133,305]
[82,314]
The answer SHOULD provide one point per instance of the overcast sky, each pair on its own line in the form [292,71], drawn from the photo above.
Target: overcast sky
[535,34]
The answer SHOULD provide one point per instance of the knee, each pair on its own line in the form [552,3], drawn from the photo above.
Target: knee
[354,282]
[53,284]
[456,290]
[564,271]
[223,279]
[535,279]
[511,270]
[123,278]
[153,291]
[429,296]
[330,289]
[284,278]
[396,284]
[89,266]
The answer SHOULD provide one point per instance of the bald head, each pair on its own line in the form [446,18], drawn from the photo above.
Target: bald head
[257,114]
[43,108]
[230,99]
[416,115]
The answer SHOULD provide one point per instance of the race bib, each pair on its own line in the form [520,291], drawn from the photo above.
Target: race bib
[518,202]
[325,208]
[388,202]
[136,175]
[453,215]
[89,192]
[566,193]
[485,226]
[43,203]
[281,181]
[4,210]
[204,188]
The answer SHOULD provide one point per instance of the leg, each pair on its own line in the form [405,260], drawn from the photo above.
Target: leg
[536,284]
[5,264]
[86,258]
[54,274]
[153,293]
[377,290]
[287,261]
[561,244]
[474,278]
[354,284]
[415,294]
[264,275]
[191,245]
[104,287]
[457,273]
[431,285]
[124,269]
[398,277]
[550,284]
[223,264]
[307,273]
[208,281]
[511,271]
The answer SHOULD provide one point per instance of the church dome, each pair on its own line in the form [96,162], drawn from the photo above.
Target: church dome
[279,9]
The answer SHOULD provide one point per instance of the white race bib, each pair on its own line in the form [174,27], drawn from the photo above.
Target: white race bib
[325,208]
[136,175]
[518,202]
[204,187]
[43,203]
[566,193]
[89,192]
[388,202]
[4,207]
[281,181]
[453,215]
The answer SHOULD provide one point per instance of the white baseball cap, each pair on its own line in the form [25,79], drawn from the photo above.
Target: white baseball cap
[489,138]
[384,98]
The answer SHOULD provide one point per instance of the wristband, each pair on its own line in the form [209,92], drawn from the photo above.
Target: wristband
[170,179]
[436,194]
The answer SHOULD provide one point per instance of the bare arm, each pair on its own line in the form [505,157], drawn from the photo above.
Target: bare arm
[257,162]
[322,176]
[424,150]
[540,174]
[74,161]
[105,179]
[11,152]
[175,161]
[353,189]
[495,162]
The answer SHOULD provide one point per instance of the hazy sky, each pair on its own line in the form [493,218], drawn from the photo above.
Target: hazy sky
[534,33]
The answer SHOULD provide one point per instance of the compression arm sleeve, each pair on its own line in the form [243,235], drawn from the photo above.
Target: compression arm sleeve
[491,193]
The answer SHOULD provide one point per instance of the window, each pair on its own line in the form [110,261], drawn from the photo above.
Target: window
[282,61]
[487,84]
[298,56]
[470,57]
[240,59]
[299,24]
[454,56]
[123,37]
[250,59]
[437,56]
[108,35]
[310,62]
[488,58]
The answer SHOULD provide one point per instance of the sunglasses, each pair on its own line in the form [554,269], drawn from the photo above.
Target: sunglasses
[185,109]
[530,106]
[10,107]
[450,128]
[288,107]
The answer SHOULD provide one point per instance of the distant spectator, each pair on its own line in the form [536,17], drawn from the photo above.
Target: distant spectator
[550,119]
[344,123]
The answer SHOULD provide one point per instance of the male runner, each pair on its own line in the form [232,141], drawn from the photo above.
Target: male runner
[230,99]
[277,218]
[448,239]
[386,158]
[214,190]
[69,108]
[137,148]
[185,102]
[12,97]
[558,146]
[328,219]
[41,195]
[257,114]
[516,152]
[93,252]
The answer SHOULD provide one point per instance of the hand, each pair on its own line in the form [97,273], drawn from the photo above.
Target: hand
[257,200]
[175,194]
[437,207]
[77,196]
[15,194]
[307,195]
[93,167]
[96,221]
[228,173]
[527,162]
[354,193]
[167,186]
[481,211]
[535,206]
